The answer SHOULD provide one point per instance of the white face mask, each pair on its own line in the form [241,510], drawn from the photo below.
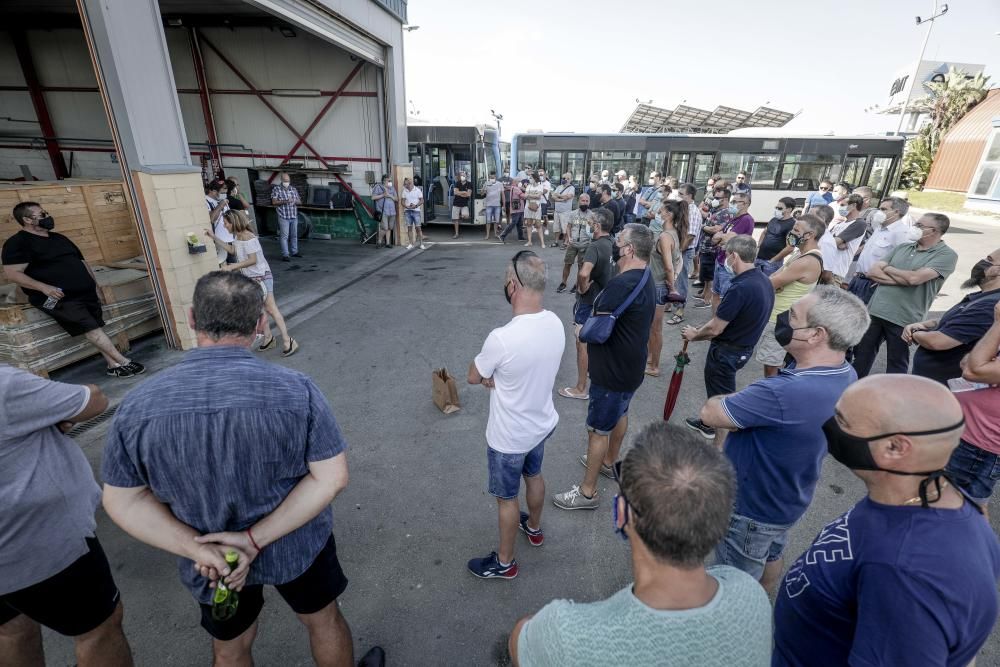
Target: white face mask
[878,218]
[286,184]
[715,202]
[914,234]
[388,184]
[779,213]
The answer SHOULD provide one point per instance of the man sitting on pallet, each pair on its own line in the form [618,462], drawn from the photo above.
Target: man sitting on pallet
[53,274]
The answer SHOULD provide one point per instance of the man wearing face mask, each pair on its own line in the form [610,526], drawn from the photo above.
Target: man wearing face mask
[649,198]
[736,326]
[909,280]
[741,222]
[563,197]
[841,191]
[518,364]
[59,282]
[460,201]
[591,278]
[942,343]
[609,202]
[217,201]
[775,439]
[772,239]
[493,192]
[672,507]
[286,200]
[908,576]
[888,231]
[842,240]
[616,366]
[717,218]
[578,235]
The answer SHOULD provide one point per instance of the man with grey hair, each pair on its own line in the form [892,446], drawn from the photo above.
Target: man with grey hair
[888,230]
[195,461]
[776,440]
[617,366]
[736,326]
[673,503]
[518,365]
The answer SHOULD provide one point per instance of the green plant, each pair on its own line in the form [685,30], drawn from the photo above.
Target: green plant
[945,103]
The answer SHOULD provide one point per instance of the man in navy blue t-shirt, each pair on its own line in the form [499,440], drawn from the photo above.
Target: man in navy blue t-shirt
[776,442]
[737,325]
[908,576]
[941,343]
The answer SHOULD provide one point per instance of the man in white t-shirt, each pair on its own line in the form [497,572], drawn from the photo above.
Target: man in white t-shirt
[413,205]
[518,364]
[563,197]
[215,199]
[842,240]
[888,231]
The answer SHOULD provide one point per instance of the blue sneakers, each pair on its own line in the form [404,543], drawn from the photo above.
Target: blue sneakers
[490,567]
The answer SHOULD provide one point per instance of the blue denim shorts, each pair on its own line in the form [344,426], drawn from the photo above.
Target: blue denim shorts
[749,545]
[975,470]
[661,294]
[722,280]
[492,214]
[605,408]
[413,217]
[506,470]
[582,312]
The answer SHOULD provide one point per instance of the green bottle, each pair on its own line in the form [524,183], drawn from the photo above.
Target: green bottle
[225,601]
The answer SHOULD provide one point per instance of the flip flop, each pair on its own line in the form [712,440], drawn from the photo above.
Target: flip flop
[566,392]
[676,319]
[652,374]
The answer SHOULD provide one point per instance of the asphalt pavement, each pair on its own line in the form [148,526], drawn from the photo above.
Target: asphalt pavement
[417,508]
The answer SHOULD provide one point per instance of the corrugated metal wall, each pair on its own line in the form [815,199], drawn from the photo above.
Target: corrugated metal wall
[960,151]
[348,132]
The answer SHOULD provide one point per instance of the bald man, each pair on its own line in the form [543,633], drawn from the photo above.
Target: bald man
[908,576]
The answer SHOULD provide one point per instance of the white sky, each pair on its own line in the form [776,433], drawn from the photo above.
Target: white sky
[830,60]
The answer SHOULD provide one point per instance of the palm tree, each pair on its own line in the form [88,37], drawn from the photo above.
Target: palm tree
[946,102]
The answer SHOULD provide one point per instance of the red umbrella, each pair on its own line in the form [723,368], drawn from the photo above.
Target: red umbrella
[674,389]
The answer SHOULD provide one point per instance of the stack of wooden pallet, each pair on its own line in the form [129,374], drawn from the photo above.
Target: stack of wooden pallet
[95,215]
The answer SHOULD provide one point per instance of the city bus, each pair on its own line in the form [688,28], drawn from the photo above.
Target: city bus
[777,164]
[439,152]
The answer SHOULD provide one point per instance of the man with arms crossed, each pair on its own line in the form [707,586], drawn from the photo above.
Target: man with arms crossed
[776,442]
[53,571]
[413,206]
[246,451]
[518,364]
[461,201]
[672,507]
[908,576]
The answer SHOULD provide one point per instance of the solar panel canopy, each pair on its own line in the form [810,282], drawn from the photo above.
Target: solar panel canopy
[649,119]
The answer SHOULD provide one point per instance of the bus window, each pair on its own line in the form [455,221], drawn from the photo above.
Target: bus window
[704,167]
[576,164]
[526,160]
[878,179]
[763,170]
[504,157]
[812,167]
[553,165]
[630,161]
[854,169]
[679,166]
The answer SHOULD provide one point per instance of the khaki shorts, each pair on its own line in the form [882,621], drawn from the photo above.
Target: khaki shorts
[574,253]
[563,221]
[769,352]
[459,212]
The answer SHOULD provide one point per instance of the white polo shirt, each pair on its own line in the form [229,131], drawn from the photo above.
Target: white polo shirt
[412,197]
[881,243]
[835,260]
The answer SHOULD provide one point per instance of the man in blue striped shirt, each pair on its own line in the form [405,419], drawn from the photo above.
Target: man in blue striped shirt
[286,201]
[226,451]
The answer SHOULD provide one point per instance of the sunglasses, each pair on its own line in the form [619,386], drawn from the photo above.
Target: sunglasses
[823,188]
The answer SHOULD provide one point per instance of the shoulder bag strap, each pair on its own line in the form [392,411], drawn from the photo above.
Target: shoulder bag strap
[631,297]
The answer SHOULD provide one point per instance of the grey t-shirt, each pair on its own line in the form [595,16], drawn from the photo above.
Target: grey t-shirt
[565,206]
[493,193]
[47,490]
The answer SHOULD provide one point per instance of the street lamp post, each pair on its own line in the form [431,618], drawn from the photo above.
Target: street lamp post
[916,72]
[497,117]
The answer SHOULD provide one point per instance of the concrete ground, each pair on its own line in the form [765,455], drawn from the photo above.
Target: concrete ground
[416,509]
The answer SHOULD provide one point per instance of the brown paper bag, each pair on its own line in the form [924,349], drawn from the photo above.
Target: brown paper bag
[445,392]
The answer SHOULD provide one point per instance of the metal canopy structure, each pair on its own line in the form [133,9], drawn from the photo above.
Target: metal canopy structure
[648,119]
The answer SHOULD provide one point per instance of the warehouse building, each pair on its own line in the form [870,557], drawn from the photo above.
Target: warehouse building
[162,95]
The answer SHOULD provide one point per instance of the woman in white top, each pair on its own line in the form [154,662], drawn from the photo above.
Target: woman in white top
[250,261]
[533,209]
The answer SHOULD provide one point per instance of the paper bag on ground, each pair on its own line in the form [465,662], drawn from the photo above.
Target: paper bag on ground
[445,392]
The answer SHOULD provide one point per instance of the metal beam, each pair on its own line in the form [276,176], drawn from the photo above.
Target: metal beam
[206,102]
[23,51]
[182,91]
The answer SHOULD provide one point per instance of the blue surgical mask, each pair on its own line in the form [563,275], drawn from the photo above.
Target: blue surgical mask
[843,211]
[733,209]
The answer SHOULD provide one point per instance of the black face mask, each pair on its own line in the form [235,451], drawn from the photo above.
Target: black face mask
[46,223]
[523,253]
[854,453]
[506,294]
[584,208]
[784,332]
[978,275]
[616,252]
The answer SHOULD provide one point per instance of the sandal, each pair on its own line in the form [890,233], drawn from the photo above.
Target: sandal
[651,373]
[268,345]
[567,392]
[292,348]
[676,319]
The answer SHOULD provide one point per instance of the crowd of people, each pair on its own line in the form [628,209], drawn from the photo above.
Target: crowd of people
[907,575]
